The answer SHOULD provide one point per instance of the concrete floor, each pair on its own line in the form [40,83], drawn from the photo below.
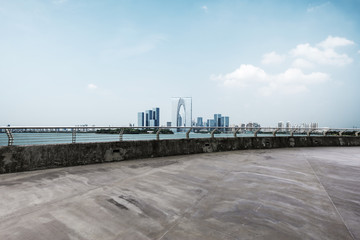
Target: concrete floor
[300,193]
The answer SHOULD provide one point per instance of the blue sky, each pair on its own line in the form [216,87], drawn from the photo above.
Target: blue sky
[70,62]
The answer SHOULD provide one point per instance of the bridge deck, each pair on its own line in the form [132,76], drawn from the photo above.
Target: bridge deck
[303,193]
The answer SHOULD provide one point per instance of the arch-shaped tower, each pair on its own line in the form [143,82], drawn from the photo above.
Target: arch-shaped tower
[177,104]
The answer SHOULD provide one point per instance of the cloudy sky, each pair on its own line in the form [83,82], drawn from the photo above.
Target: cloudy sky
[69,62]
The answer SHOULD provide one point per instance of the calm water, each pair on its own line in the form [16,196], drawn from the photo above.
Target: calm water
[58,138]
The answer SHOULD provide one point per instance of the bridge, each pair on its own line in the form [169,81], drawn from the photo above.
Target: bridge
[271,186]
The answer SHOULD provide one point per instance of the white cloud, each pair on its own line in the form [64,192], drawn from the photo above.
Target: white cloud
[205,8]
[302,63]
[92,86]
[315,8]
[326,56]
[272,58]
[291,81]
[243,76]
[333,42]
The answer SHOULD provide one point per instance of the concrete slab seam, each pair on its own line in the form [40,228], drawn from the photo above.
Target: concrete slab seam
[327,194]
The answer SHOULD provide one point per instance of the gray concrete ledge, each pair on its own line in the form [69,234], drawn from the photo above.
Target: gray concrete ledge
[26,158]
[288,193]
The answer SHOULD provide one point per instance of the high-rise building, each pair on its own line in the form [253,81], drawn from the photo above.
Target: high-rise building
[280,125]
[199,122]
[156,116]
[140,119]
[288,126]
[181,112]
[148,117]
[226,121]
[217,119]
[211,124]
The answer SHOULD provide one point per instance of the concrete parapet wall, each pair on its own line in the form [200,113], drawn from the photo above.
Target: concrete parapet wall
[26,158]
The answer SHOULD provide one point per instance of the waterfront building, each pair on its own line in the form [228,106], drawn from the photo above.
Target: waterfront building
[168,124]
[288,126]
[217,119]
[156,116]
[226,121]
[199,122]
[280,125]
[140,119]
[181,111]
[149,118]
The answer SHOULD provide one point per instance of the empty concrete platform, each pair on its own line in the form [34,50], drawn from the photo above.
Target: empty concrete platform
[300,193]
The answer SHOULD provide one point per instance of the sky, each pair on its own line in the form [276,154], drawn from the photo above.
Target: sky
[71,62]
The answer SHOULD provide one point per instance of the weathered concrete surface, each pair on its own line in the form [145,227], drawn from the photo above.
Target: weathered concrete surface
[298,193]
[25,158]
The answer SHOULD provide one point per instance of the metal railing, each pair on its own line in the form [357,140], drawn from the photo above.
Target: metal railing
[21,135]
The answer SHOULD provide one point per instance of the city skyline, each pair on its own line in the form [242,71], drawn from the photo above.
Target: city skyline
[66,62]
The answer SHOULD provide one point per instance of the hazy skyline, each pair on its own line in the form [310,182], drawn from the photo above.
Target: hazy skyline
[71,62]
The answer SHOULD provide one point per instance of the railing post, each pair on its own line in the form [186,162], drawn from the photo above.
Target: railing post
[158,134]
[309,132]
[236,131]
[357,134]
[256,132]
[10,137]
[187,133]
[121,133]
[213,132]
[325,132]
[292,132]
[73,136]
[341,132]
[274,132]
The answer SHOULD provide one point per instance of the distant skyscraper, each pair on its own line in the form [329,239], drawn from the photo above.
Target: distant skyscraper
[211,123]
[156,116]
[288,126]
[217,119]
[151,118]
[181,105]
[226,121]
[148,117]
[199,122]
[280,125]
[140,119]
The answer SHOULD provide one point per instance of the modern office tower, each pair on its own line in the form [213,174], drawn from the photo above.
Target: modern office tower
[156,116]
[148,117]
[314,125]
[280,125]
[152,123]
[199,122]
[140,119]
[288,126]
[226,121]
[181,106]
[222,122]
[217,119]
[211,124]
